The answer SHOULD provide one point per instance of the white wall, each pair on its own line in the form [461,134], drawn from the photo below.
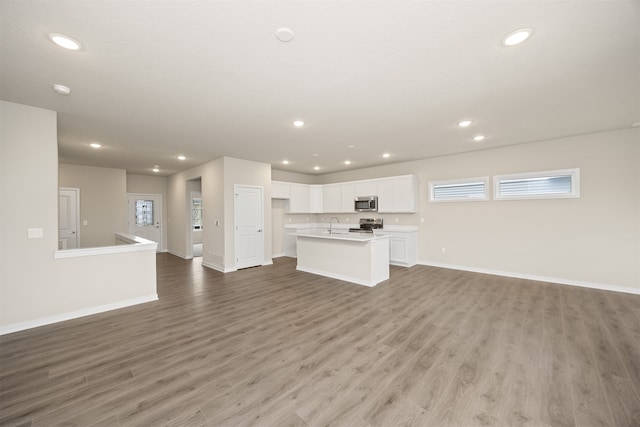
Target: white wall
[146,184]
[35,288]
[217,180]
[103,201]
[594,239]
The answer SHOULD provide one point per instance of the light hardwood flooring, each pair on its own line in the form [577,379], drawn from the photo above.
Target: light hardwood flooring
[270,346]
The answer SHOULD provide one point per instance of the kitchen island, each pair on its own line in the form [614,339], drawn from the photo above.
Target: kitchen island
[361,258]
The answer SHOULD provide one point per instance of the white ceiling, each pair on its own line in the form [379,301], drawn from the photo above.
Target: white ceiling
[209,78]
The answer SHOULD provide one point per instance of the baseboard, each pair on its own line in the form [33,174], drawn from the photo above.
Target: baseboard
[178,254]
[16,327]
[345,278]
[582,284]
[268,262]
[219,268]
[278,255]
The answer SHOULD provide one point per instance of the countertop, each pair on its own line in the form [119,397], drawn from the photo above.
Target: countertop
[342,235]
[346,226]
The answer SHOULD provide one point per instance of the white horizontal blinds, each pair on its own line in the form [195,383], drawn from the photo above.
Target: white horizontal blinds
[459,191]
[535,186]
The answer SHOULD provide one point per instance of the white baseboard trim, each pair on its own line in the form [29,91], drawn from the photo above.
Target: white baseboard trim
[580,283]
[351,279]
[278,255]
[268,262]
[75,314]
[178,254]
[219,268]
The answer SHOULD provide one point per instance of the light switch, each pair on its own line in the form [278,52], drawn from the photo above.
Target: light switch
[34,233]
[85,222]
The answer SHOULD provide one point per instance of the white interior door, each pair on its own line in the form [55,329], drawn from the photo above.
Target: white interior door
[68,214]
[249,223]
[145,216]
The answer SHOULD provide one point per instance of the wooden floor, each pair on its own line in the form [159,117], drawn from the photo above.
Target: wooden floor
[270,346]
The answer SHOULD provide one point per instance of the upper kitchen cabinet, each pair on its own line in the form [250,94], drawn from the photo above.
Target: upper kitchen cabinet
[331,198]
[397,194]
[348,192]
[300,200]
[316,202]
[366,188]
[280,190]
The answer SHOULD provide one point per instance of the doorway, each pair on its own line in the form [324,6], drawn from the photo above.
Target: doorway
[249,226]
[145,217]
[68,218]
[195,219]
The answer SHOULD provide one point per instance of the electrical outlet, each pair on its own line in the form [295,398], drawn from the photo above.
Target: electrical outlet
[422,220]
[397,219]
[444,250]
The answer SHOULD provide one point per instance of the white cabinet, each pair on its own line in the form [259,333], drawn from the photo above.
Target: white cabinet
[366,188]
[397,194]
[348,192]
[300,200]
[332,198]
[280,190]
[403,247]
[316,205]
[386,199]
[404,191]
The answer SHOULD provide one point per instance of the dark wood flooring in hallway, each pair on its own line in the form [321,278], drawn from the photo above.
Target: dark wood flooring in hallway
[270,346]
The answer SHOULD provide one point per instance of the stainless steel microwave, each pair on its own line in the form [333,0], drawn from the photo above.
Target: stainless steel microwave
[366,204]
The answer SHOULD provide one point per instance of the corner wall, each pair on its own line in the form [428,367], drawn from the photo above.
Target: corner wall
[36,289]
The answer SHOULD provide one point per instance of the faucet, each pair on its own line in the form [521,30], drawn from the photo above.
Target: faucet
[331,223]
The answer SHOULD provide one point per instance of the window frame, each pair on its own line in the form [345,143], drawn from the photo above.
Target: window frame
[574,173]
[460,181]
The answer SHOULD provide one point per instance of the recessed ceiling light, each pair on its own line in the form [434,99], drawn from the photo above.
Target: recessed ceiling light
[62,89]
[95,145]
[316,168]
[517,36]
[285,162]
[386,155]
[65,41]
[284,34]
[298,123]
[156,168]
[351,147]
[314,155]
[347,162]
[478,138]
[464,123]
[181,157]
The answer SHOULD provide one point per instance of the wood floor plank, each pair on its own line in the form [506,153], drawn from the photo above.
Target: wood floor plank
[272,346]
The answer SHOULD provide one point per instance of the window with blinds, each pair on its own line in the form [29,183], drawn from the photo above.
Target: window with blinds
[538,185]
[459,190]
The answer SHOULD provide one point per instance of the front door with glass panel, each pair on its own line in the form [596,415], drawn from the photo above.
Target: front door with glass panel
[145,216]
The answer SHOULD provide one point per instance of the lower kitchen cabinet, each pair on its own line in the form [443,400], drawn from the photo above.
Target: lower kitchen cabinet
[403,248]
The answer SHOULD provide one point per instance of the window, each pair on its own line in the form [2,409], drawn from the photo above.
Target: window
[459,190]
[538,185]
[196,213]
[144,213]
